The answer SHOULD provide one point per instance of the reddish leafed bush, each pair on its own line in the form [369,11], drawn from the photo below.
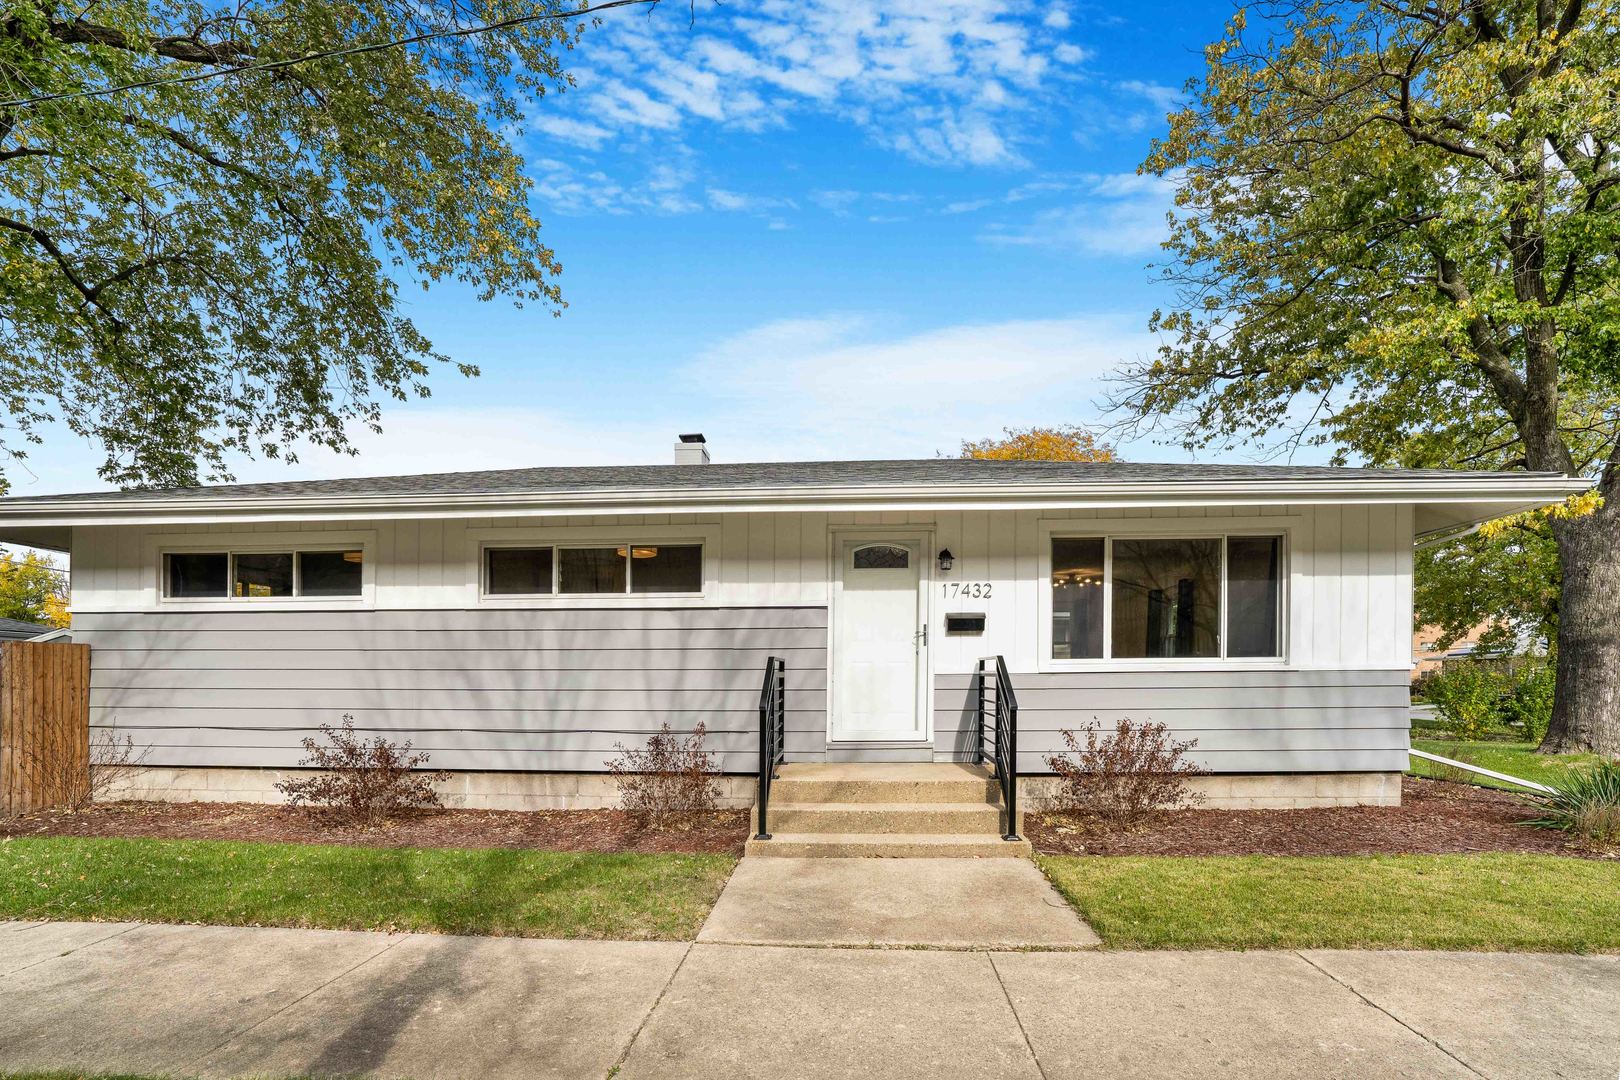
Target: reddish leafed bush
[668,781]
[1121,780]
[362,781]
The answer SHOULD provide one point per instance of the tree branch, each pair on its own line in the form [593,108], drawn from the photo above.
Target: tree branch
[192,146]
[185,49]
[1488,354]
[43,239]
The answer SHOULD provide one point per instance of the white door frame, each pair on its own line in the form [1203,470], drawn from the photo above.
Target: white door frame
[839,536]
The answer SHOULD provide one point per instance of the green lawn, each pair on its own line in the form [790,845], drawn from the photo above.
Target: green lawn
[496,891]
[1514,758]
[1491,902]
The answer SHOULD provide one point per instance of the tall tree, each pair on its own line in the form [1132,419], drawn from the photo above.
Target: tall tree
[1066,442]
[1397,230]
[201,230]
[33,588]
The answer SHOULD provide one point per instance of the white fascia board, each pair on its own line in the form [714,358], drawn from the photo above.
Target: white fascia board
[1512,494]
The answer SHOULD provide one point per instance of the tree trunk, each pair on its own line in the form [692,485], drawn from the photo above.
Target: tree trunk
[1586,708]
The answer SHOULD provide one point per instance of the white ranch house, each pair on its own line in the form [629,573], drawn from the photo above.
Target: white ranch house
[519,624]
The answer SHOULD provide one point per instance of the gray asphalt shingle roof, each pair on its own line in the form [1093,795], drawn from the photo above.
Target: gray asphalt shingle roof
[783,474]
[20,629]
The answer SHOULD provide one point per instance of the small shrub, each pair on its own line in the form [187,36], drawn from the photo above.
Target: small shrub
[669,780]
[1422,683]
[67,784]
[1122,779]
[362,781]
[1467,695]
[1530,704]
[1585,804]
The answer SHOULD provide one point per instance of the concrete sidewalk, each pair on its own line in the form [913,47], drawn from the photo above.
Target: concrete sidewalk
[235,1002]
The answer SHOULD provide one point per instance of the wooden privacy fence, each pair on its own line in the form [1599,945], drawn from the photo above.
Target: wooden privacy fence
[44,725]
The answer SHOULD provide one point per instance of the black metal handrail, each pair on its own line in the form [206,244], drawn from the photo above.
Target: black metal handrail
[998,726]
[772,734]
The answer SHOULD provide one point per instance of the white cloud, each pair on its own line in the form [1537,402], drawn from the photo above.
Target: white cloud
[1124,215]
[842,386]
[1163,98]
[949,81]
[829,387]
[836,386]
[570,130]
[566,189]
[722,199]
[838,202]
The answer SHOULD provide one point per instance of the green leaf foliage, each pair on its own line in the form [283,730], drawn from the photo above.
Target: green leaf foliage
[33,588]
[1510,580]
[195,270]
[1395,232]
[1468,697]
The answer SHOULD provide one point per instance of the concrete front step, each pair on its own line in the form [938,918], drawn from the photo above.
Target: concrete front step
[972,818]
[900,782]
[887,846]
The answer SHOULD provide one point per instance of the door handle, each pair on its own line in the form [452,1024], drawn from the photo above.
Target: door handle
[921,636]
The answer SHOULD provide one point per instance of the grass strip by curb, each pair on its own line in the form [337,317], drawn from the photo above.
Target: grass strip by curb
[494,891]
[1539,903]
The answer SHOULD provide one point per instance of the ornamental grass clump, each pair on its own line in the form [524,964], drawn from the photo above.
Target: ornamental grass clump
[1121,780]
[1585,804]
[362,782]
[669,781]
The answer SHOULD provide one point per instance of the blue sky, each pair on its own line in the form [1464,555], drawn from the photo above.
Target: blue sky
[810,228]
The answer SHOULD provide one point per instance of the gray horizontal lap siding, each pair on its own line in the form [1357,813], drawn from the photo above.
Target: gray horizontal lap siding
[507,689]
[1244,721]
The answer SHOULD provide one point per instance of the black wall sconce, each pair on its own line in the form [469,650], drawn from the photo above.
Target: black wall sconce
[946,559]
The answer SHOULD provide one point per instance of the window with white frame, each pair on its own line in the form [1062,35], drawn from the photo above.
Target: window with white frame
[593,569]
[1147,598]
[255,575]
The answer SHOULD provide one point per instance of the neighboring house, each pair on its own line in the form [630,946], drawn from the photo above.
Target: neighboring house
[520,624]
[21,629]
[1428,655]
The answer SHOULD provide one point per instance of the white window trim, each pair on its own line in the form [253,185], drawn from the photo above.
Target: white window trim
[160,547]
[1111,530]
[482,540]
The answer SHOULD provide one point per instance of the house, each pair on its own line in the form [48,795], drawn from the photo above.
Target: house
[21,629]
[1428,656]
[520,624]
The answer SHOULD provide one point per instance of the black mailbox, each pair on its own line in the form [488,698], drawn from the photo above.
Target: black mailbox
[964,622]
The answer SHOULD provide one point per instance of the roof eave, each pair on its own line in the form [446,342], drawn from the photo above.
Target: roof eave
[1515,493]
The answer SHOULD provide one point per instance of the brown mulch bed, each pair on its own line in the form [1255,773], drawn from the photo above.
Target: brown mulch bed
[722,832]
[1434,818]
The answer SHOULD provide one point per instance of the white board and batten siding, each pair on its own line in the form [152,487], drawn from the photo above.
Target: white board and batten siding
[554,685]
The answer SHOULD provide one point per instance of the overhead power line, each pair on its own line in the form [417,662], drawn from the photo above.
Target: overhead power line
[352,50]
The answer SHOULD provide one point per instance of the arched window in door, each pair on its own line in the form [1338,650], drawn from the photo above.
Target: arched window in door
[880,557]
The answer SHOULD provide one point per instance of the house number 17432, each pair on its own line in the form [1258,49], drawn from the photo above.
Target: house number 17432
[967,590]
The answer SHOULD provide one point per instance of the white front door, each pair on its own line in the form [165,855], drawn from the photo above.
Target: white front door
[878,643]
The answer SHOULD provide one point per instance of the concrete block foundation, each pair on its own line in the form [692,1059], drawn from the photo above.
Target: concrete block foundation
[583,791]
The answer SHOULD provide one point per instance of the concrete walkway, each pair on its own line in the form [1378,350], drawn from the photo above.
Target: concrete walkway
[234,1002]
[894,903]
